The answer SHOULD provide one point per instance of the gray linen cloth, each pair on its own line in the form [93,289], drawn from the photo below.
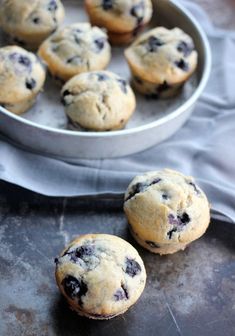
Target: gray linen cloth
[204,147]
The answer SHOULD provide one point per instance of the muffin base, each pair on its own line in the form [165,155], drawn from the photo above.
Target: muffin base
[95,316]
[77,127]
[162,249]
[31,44]
[124,38]
[20,107]
[155,90]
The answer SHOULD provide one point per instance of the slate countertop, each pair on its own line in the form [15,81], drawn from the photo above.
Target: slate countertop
[188,293]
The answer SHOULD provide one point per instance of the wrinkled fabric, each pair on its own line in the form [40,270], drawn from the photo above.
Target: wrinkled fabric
[204,147]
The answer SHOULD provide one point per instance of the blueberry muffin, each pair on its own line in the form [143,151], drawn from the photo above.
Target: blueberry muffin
[98,100]
[161,60]
[75,49]
[100,275]
[122,19]
[166,211]
[30,22]
[21,78]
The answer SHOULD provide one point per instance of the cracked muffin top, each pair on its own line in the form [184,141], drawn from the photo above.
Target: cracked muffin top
[98,100]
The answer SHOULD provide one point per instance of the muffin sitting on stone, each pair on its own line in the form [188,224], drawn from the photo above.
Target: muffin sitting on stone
[21,78]
[161,61]
[100,275]
[75,49]
[166,211]
[98,101]
[30,22]
[122,19]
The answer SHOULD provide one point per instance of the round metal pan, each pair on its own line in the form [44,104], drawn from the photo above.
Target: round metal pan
[44,130]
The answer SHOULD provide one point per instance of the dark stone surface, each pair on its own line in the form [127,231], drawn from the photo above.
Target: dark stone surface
[188,293]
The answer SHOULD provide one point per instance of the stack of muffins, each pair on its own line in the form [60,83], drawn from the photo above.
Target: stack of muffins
[160,60]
